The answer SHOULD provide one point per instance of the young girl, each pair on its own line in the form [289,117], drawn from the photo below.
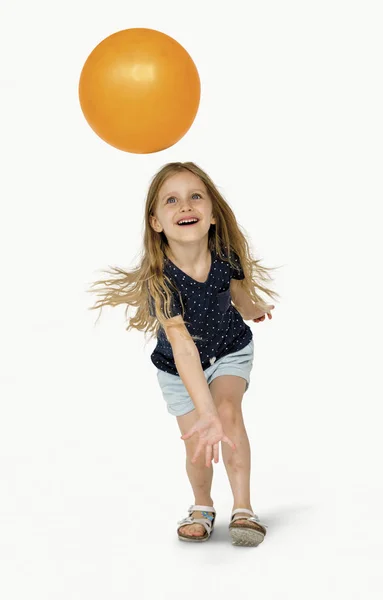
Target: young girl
[194,288]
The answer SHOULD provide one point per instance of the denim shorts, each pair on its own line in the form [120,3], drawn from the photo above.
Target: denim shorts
[176,395]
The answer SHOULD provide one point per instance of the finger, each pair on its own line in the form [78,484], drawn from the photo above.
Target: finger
[228,441]
[196,454]
[187,435]
[208,455]
[216,453]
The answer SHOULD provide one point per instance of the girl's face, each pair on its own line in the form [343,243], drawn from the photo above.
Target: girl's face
[183,196]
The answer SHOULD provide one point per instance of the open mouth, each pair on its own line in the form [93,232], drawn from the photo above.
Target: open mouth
[188,222]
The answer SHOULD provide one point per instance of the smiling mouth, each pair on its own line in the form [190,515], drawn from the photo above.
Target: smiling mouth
[188,224]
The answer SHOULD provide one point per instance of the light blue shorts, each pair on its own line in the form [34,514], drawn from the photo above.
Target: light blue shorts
[176,395]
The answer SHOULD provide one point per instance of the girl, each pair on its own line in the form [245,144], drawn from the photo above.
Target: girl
[194,288]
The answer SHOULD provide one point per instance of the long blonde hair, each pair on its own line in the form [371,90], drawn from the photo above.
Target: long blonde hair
[133,287]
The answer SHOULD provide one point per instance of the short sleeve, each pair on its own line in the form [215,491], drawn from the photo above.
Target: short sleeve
[175,305]
[236,273]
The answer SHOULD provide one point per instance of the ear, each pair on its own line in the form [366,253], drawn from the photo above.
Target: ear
[155,224]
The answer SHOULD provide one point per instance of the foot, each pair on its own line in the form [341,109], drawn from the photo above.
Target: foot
[196,529]
[246,522]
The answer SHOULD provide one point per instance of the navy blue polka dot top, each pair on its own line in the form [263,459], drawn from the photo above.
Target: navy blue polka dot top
[210,313]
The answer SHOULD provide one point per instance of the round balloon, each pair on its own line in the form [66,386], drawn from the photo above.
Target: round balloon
[139,90]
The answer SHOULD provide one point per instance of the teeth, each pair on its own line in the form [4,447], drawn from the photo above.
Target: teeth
[188,221]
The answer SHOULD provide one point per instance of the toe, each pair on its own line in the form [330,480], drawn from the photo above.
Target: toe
[195,529]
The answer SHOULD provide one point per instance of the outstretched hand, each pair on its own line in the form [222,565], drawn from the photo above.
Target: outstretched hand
[259,314]
[210,431]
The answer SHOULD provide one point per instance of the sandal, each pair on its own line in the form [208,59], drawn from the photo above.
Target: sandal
[243,535]
[207,522]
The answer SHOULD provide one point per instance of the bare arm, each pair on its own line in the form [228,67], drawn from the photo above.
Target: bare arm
[188,363]
[208,425]
[242,301]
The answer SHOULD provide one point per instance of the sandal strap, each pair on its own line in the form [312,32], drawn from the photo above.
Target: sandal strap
[201,507]
[245,510]
[191,520]
[207,521]
[253,517]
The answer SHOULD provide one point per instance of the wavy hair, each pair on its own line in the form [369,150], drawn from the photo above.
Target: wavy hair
[135,287]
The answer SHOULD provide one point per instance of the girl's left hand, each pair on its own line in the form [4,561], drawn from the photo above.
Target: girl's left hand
[260,314]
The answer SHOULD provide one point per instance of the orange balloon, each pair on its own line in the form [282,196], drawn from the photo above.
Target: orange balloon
[139,90]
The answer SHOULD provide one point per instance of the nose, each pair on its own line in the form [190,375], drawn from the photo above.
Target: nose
[185,210]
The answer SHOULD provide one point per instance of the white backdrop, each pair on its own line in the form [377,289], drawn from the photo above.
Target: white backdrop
[93,476]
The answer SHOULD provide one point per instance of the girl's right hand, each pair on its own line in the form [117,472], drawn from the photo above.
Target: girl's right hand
[210,431]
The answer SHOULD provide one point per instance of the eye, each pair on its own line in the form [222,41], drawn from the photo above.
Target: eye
[172,197]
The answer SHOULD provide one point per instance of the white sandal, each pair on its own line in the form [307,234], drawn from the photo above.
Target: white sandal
[242,535]
[207,522]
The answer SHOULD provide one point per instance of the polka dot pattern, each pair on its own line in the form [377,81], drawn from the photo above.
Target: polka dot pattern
[209,311]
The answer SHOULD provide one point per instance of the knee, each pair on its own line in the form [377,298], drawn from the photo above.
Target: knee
[230,414]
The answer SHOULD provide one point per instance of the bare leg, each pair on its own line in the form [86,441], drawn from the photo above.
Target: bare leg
[227,392]
[199,475]
[238,463]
